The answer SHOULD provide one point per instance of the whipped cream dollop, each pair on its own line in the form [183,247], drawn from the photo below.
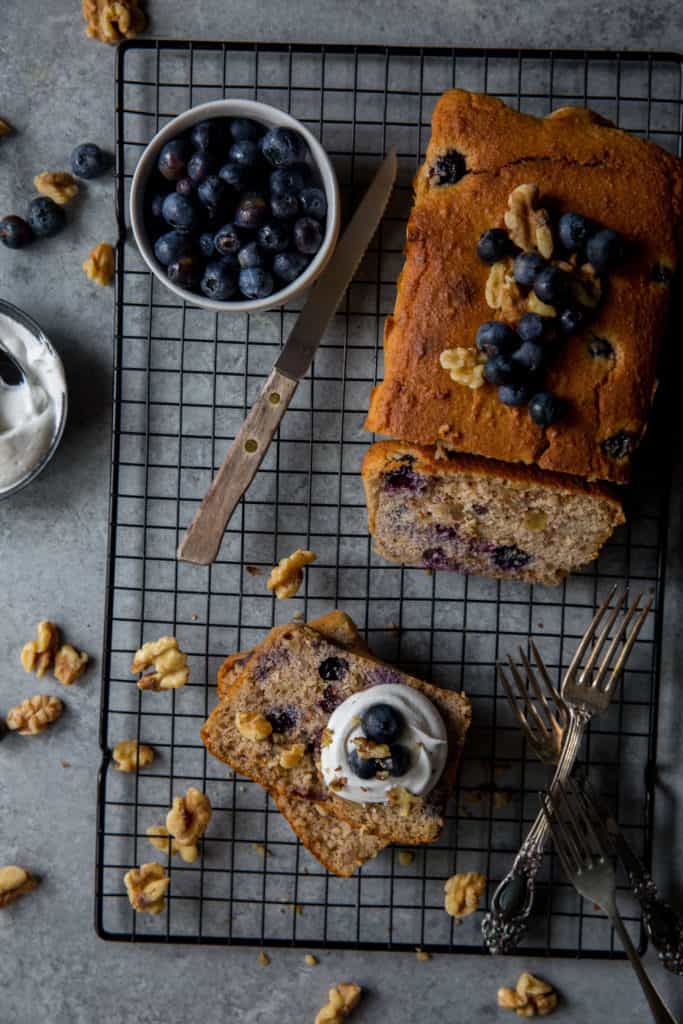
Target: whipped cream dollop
[31,412]
[424,736]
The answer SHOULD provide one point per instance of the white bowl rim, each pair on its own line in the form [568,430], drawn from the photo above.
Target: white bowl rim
[268,115]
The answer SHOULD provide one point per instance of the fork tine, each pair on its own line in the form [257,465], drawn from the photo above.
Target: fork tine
[590,632]
[630,640]
[521,717]
[553,693]
[586,671]
[570,863]
[572,827]
[603,668]
[525,693]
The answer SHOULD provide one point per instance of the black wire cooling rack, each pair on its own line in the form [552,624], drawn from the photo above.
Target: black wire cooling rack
[183,381]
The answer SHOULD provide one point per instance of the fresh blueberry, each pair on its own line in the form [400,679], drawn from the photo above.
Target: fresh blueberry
[211,192]
[184,187]
[398,762]
[282,146]
[514,394]
[526,267]
[493,245]
[244,153]
[333,669]
[404,479]
[227,240]
[170,247]
[510,557]
[200,165]
[15,233]
[313,202]
[206,134]
[572,320]
[45,218]
[250,255]
[528,357]
[620,445]
[382,723]
[172,162]
[244,128]
[289,265]
[545,408]
[206,246]
[499,369]
[363,767]
[283,717]
[88,161]
[605,250]
[184,272]
[255,283]
[290,179]
[532,327]
[218,281]
[285,206]
[156,204]
[448,168]
[252,211]
[495,337]
[273,237]
[551,285]
[600,348]
[179,211]
[234,176]
[308,235]
[573,231]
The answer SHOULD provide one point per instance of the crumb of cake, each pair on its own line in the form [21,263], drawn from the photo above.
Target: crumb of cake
[263,959]
[99,266]
[261,849]
[129,755]
[501,798]
[38,655]
[287,576]
[59,186]
[254,570]
[5,128]
[326,737]
[530,998]
[368,749]
[472,796]
[14,882]
[405,858]
[421,955]
[339,784]
[501,768]
[110,21]
[69,664]
[465,366]
[297,908]
[310,960]
[146,887]
[253,725]
[188,820]
[170,665]
[65,764]
[463,892]
[34,715]
[292,756]
[392,627]
[405,801]
[342,999]
[528,226]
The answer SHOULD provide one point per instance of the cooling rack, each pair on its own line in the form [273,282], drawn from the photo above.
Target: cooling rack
[183,380]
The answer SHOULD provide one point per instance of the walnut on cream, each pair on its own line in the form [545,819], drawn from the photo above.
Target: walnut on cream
[170,665]
[287,576]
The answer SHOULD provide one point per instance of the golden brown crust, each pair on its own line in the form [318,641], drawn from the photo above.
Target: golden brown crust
[579,163]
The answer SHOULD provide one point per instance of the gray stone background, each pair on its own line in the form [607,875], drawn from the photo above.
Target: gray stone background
[56,87]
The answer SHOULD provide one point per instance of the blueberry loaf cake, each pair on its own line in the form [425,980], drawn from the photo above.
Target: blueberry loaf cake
[310,720]
[539,261]
[476,515]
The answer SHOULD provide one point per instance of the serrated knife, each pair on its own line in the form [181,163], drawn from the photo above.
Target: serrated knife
[203,537]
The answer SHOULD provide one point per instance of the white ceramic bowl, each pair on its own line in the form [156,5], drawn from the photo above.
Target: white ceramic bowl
[271,117]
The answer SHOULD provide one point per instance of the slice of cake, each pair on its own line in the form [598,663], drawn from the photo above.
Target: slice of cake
[479,516]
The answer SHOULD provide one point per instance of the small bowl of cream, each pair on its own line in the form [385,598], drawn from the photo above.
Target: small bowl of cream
[32,409]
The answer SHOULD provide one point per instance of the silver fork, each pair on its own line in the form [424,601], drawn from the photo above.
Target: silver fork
[585,849]
[584,692]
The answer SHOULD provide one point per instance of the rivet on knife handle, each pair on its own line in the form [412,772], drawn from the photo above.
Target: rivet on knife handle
[203,538]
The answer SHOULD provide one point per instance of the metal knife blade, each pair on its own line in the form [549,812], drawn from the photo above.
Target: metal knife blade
[202,539]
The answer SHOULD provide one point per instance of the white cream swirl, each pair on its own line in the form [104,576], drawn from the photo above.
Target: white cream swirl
[424,736]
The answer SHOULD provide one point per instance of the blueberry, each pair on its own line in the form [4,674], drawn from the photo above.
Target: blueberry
[495,337]
[289,265]
[227,240]
[333,669]
[179,211]
[551,285]
[493,245]
[499,369]
[156,204]
[218,281]
[308,235]
[620,445]
[15,233]
[572,320]
[605,250]
[255,283]
[184,272]
[184,187]
[404,479]
[514,394]
[528,357]
[527,265]
[200,165]
[600,348]
[45,217]
[170,247]
[290,179]
[283,717]
[273,237]
[448,168]
[436,558]
[398,762]
[206,134]
[382,723]
[244,153]
[532,327]
[282,146]
[206,246]
[331,698]
[250,255]
[313,202]
[234,176]
[244,128]
[252,211]
[509,557]
[573,231]
[211,192]
[363,767]
[88,161]
[172,162]
[285,206]
[545,408]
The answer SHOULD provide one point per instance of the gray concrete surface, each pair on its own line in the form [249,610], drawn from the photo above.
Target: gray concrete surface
[56,87]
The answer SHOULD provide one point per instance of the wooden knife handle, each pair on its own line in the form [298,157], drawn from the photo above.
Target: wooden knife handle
[203,537]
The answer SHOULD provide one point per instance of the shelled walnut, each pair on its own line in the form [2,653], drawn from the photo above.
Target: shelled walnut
[404,800]
[129,755]
[59,186]
[34,715]
[292,756]
[170,665]
[341,1001]
[532,997]
[188,820]
[99,266]
[464,365]
[69,664]
[253,725]
[38,655]
[146,887]
[14,882]
[287,576]
[463,892]
[160,839]
[110,21]
[5,128]
[528,226]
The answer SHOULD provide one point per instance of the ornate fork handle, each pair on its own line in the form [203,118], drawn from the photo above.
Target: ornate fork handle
[663,924]
[513,900]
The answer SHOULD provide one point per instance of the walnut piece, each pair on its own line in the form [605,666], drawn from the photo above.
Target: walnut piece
[292,756]
[405,858]
[59,186]
[14,882]
[146,887]
[465,366]
[532,997]
[463,892]
[253,725]
[69,664]
[161,840]
[170,664]
[587,286]
[534,305]
[38,655]
[528,227]
[342,1000]
[287,576]
[34,714]
[129,755]
[99,266]
[367,748]
[110,21]
[326,737]
[502,291]
[5,128]
[188,819]
[405,801]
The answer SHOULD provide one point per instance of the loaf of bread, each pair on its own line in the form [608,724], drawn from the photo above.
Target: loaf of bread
[476,515]
[602,374]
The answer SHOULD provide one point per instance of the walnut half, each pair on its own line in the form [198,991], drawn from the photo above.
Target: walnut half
[146,887]
[170,664]
[59,186]
[532,997]
[14,882]
[38,655]
[99,266]
[287,576]
[342,1000]
[463,892]
[34,714]
[129,755]
[188,819]
[69,664]
[110,21]
[464,365]
[253,725]
[528,227]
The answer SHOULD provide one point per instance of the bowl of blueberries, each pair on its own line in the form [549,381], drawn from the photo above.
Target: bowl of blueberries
[234,206]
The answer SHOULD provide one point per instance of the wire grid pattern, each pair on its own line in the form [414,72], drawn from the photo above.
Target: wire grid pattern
[184,379]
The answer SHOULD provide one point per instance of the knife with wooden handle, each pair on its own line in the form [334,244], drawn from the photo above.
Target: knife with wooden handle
[203,537]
